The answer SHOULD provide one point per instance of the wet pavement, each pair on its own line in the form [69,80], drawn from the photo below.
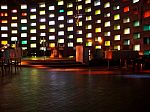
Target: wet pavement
[47,89]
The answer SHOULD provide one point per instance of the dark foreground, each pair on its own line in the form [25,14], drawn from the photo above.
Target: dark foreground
[74,90]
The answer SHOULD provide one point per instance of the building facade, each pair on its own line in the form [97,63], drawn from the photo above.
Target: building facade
[95,24]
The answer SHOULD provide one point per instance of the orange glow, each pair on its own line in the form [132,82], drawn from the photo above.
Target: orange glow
[126,9]
[4,21]
[24,14]
[147,14]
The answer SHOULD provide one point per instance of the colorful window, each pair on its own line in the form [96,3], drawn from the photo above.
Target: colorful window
[147,14]
[126,9]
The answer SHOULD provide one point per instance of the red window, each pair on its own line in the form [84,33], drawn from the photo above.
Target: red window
[126,9]
[24,14]
[147,14]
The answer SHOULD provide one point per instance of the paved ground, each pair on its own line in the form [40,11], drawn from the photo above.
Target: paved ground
[45,89]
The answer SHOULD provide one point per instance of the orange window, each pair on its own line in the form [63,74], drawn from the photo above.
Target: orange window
[126,9]
[147,14]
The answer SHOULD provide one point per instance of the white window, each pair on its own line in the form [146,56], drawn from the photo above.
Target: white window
[60,33]
[51,7]
[61,18]
[135,1]
[117,37]
[106,5]
[97,3]
[127,31]
[23,6]
[70,21]
[51,15]
[32,38]
[51,22]
[42,20]
[23,34]
[4,35]
[33,10]
[52,37]
[107,24]
[23,20]
[4,7]
[4,28]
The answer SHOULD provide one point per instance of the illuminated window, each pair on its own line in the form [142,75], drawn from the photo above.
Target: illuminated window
[117,17]
[106,5]
[61,41]
[79,0]
[97,12]
[136,35]
[70,29]
[136,23]
[61,10]
[14,24]
[126,42]
[52,37]
[69,5]
[107,24]
[61,18]
[136,47]
[23,34]
[70,44]
[126,9]
[33,17]
[88,26]
[135,1]
[51,15]
[117,27]
[42,5]
[87,1]
[97,30]
[51,45]
[117,37]
[23,6]
[69,12]
[33,45]
[23,20]
[42,12]
[4,28]
[79,40]
[89,43]
[42,26]
[98,47]
[147,14]
[24,42]
[60,33]
[51,22]
[24,48]
[89,35]
[70,36]
[70,21]
[127,31]
[79,7]
[14,11]
[107,43]
[88,9]
[32,38]
[88,18]
[79,32]
[80,23]
[14,31]
[117,47]
[33,24]
[24,14]
[14,18]
[42,34]
[126,20]
[4,35]
[107,33]
[52,30]
[4,14]
[61,26]
[98,21]
[14,38]
[97,3]
[4,21]
[42,20]
[61,2]
[146,28]
[32,30]
[116,7]
[4,42]
[33,10]
[51,7]
[4,7]
[107,15]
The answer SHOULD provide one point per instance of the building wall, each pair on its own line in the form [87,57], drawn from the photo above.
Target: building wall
[96,24]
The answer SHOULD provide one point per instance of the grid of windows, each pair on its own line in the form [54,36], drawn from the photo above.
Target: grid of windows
[68,24]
